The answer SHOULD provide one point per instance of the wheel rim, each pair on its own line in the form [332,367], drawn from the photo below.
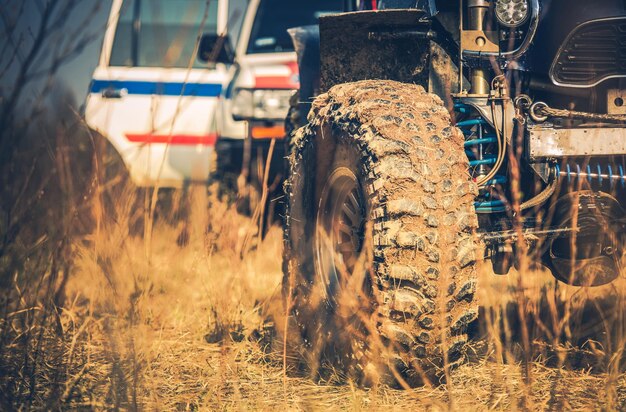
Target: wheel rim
[339,230]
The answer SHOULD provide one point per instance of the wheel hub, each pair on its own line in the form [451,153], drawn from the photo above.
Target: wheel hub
[339,230]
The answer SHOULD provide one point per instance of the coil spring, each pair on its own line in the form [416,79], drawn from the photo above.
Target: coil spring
[614,174]
[478,134]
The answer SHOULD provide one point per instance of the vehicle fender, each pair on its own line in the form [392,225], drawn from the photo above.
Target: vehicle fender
[366,45]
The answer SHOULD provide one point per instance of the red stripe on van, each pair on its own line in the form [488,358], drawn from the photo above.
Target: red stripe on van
[279,82]
[274,82]
[179,139]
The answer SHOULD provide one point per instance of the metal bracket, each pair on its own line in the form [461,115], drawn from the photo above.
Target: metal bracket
[554,143]
[480,41]
[616,101]
[483,106]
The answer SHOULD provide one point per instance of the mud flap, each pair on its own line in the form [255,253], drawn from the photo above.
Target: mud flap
[306,40]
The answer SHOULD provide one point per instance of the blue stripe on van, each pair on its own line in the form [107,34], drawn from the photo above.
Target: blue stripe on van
[163,89]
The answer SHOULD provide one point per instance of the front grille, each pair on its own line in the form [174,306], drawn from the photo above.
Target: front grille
[593,52]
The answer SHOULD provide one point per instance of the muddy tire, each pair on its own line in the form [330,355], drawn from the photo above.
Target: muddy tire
[379,248]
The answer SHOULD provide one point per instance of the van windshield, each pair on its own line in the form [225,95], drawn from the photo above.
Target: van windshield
[162,33]
[274,17]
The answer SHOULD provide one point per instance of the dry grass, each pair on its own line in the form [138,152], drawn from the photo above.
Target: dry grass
[137,323]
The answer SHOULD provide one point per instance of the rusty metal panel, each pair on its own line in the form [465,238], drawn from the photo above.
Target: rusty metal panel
[558,143]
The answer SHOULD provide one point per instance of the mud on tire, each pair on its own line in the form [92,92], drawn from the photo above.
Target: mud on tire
[400,305]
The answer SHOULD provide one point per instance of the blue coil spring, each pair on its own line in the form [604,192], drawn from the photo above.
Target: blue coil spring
[613,174]
[478,133]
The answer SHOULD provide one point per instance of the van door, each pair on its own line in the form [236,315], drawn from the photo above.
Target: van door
[151,97]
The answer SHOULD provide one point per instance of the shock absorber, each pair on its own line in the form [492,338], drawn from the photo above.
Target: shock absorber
[481,147]
[613,174]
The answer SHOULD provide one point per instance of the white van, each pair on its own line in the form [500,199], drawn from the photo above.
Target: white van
[163,109]
[263,78]
[151,97]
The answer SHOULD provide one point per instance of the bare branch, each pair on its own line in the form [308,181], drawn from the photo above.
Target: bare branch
[11,102]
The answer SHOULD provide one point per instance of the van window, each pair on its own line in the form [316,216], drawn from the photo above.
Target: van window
[162,33]
[274,17]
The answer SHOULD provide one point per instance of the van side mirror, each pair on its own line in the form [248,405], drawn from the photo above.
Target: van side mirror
[215,48]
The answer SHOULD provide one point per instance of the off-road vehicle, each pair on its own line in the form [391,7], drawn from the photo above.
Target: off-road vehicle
[444,133]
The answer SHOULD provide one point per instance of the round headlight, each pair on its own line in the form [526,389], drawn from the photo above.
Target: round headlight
[512,13]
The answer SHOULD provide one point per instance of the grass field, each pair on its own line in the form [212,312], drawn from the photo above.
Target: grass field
[193,320]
